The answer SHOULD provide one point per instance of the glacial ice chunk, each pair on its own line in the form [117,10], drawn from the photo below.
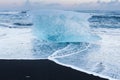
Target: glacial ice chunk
[62,26]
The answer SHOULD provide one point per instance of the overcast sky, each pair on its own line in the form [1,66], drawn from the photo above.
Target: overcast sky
[6,2]
[67,4]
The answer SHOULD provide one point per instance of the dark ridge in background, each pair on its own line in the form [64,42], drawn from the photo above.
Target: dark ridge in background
[40,70]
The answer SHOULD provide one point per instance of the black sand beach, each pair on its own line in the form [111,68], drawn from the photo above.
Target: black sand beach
[40,70]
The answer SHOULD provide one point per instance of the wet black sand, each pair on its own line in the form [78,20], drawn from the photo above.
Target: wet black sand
[39,70]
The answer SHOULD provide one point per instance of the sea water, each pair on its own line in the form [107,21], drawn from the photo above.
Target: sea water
[100,57]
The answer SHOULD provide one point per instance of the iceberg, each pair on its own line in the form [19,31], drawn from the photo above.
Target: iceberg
[62,26]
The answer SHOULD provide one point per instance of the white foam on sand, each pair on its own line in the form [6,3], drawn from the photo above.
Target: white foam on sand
[103,62]
[80,69]
[15,43]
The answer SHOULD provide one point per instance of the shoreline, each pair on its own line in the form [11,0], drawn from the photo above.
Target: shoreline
[40,70]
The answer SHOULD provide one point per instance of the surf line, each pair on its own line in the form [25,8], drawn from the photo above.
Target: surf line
[54,55]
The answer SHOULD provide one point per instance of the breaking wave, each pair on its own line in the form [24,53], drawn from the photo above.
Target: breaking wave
[62,26]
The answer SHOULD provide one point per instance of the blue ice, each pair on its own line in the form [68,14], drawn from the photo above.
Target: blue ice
[62,26]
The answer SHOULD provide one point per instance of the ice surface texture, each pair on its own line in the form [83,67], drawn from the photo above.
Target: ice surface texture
[62,26]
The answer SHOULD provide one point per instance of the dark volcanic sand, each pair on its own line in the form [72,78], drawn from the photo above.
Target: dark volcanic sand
[39,70]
